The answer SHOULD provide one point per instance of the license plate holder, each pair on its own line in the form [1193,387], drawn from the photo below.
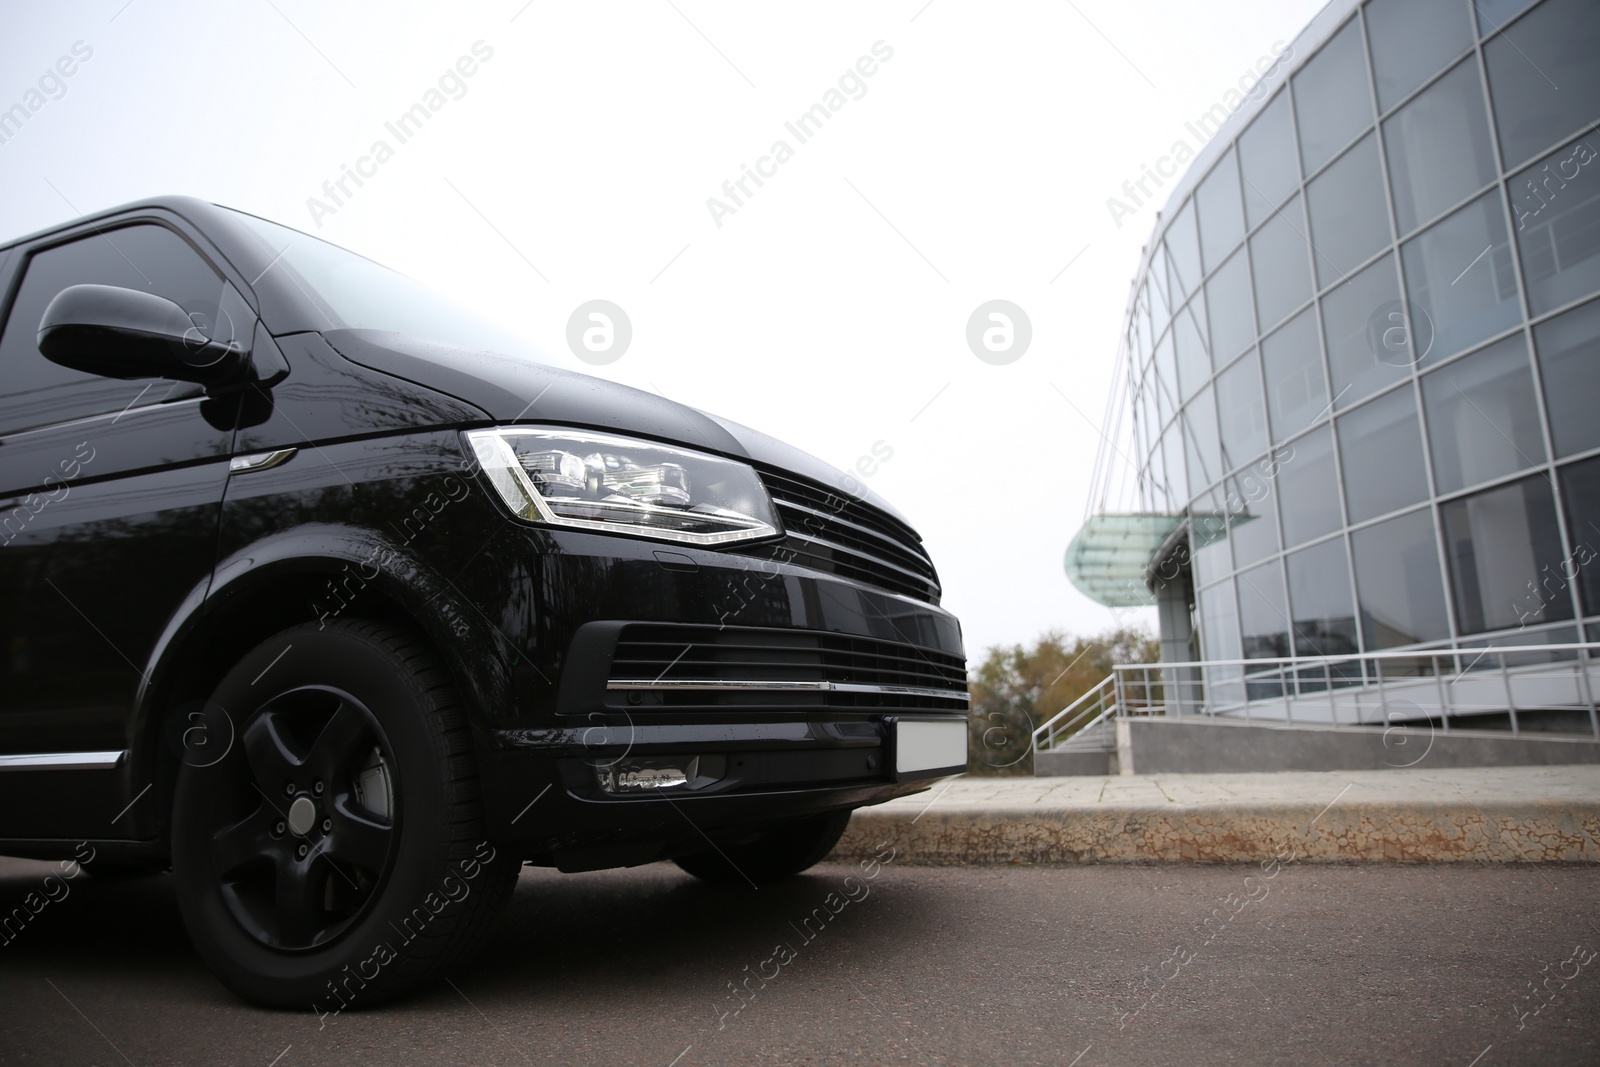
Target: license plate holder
[926,747]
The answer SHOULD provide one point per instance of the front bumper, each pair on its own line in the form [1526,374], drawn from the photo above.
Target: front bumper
[788,681]
[768,772]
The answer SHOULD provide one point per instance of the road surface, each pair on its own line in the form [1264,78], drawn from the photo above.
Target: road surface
[1112,964]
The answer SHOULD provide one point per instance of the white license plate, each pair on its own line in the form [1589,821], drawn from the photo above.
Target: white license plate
[926,746]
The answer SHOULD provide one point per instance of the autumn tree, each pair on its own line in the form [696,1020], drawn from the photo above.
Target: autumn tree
[1016,689]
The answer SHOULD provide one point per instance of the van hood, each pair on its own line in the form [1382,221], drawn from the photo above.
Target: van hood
[519,389]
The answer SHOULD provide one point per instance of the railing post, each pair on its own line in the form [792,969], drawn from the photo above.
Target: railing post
[1327,687]
[1511,703]
[1288,703]
[1438,684]
[1383,696]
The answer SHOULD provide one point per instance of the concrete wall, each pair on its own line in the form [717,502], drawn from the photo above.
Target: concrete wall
[1060,763]
[1166,746]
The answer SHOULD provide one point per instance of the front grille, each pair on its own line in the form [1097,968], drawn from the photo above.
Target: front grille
[720,668]
[837,534]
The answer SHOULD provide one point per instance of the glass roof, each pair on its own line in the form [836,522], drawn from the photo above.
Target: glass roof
[1107,558]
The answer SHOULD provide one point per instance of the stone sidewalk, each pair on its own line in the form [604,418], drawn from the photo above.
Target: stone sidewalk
[1479,815]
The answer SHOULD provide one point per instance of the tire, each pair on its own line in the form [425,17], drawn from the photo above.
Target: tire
[334,857]
[778,853]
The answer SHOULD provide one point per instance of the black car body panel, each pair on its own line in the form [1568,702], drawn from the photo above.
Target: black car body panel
[129,594]
[502,386]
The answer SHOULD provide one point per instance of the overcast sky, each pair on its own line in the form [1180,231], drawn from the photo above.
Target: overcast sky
[827,306]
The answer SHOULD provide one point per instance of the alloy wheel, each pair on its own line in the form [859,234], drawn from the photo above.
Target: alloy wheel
[313,834]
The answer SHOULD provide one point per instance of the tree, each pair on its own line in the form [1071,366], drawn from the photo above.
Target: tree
[1017,689]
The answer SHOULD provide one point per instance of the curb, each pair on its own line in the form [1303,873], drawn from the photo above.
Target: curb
[1522,831]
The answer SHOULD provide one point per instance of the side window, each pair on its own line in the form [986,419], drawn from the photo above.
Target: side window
[146,257]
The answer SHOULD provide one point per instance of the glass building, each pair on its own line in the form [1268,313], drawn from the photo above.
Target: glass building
[1363,349]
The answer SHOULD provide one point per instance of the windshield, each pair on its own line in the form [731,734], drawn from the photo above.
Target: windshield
[355,293]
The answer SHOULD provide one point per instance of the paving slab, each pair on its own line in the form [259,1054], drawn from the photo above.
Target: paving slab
[1545,814]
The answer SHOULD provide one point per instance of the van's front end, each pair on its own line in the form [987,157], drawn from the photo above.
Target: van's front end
[714,645]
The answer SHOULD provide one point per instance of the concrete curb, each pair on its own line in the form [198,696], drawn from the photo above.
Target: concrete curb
[1454,817]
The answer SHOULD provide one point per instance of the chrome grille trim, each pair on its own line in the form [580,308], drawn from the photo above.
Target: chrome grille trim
[62,761]
[710,684]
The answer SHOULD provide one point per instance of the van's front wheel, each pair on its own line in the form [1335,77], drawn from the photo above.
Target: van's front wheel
[334,857]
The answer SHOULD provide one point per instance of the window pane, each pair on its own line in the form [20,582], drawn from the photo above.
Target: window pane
[1149,418]
[1172,456]
[1459,274]
[1160,305]
[1242,411]
[1221,213]
[1156,474]
[1267,160]
[1556,204]
[1355,318]
[1219,623]
[1569,364]
[1208,536]
[1505,557]
[1380,449]
[1166,365]
[1331,97]
[1580,491]
[1397,582]
[1438,147]
[1319,600]
[1152,429]
[1253,513]
[1194,360]
[1233,320]
[1309,487]
[1204,448]
[1556,45]
[1296,390]
[1183,254]
[1349,219]
[1281,260]
[1493,14]
[1412,40]
[1483,422]
[1263,613]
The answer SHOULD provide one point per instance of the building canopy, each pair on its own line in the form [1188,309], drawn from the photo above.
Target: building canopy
[1107,558]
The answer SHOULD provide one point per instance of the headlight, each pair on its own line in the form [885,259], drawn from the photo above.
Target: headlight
[619,485]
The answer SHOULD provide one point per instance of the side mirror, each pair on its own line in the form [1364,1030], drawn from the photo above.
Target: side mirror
[124,333]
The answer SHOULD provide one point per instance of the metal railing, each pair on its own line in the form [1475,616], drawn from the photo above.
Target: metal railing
[1068,727]
[1451,687]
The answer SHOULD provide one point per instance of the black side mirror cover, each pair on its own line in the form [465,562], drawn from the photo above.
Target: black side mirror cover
[127,334]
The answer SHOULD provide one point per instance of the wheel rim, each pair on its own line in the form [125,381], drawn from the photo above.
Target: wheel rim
[311,833]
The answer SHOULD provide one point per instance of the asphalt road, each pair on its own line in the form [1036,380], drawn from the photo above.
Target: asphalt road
[1066,966]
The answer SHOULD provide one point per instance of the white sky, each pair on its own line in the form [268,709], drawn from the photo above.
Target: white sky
[591,140]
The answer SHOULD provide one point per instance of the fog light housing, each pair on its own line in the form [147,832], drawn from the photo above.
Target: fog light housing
[653,774]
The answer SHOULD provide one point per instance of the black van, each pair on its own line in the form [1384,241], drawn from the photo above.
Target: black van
[310,595]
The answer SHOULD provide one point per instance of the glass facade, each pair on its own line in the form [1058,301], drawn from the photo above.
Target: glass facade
[1365,344]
